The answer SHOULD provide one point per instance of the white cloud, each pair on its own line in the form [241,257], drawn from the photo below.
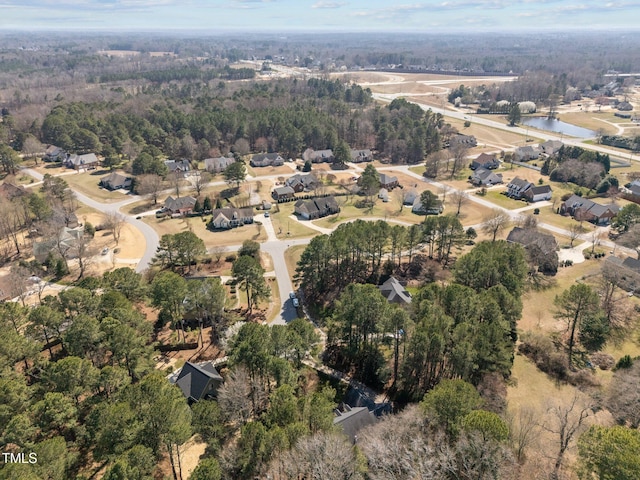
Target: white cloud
[323,4]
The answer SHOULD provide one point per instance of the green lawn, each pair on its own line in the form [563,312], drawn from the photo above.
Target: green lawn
[87,183]
[497,197]
[286,227]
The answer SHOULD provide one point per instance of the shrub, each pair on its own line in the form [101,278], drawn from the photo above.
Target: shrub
[230,258]
[624,362]
[536,211]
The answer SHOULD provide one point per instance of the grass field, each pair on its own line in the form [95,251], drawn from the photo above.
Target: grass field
[291,256]
[497,197]
[286,227]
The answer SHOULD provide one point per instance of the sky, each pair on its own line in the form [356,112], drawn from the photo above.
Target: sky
[319,15]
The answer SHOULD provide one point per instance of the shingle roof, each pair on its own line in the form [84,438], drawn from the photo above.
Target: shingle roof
[176,204]
[527,236]
[353,420]
[394,292]
[195,380]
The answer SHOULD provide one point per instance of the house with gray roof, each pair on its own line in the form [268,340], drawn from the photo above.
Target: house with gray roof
[282,194]
[68,239]
[266,160]
[217,165]
[178,166]
[87,161]
[485,160]
[394,292]
[588,210]
[388,181]
[541,248]
[302,183]
[54,154]
[318,156]
[551,147]
[198,381]
[226,218]
[624,272]
[316,207]
[528,152]
[353,419]
[466,140]
[359,156]
[537,193]
[485,177]
[115,181]
[180,205]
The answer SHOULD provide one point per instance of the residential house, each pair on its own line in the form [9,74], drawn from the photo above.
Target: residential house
[359,156]
[551,147]
[485,160]
[318,156]
[409,198]
[87,161]
[9,191]
[517,187]
[353,419]
[626,273]
[302,183]
[281,194]
[484,177]
[217,165]
[585,209]
[394,292]
[466,140]
[115,181]
[526,153]
[266,160]
[538,193]
[54,154]
[178,166]
[180,205]
[383,194]
[67,240]
[198,381]
[226,218]
[541,248]
[523,189]
[388,181]
[316,208]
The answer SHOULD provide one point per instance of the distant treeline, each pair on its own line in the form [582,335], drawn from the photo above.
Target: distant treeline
[179,74]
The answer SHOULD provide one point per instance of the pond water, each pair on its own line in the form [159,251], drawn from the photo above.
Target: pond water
[553,125]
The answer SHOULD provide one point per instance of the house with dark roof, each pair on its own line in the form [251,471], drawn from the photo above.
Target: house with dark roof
[87,161]
[587,210]
[217,165]
[419,209]
[485,177]
[526,153]
[541,248]
[266,160]
[631,191]
[178,166]
[359,156]
[517,187]
[54,154]
[198,381]
[180,205]
[318,156]
[388,181]
[394,292]
[626,273]
[485,160]
[115,181]
[282,194]
[353,419]
[302,183]
[316,207]
[226,218]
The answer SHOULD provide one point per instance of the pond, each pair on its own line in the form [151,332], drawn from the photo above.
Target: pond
[553,125]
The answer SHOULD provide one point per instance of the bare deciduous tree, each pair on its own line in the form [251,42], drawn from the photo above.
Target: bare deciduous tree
[459,199]
[114,221]
[459,152]
[623,399]
[150,185]
[321,456]
[240,398]
[523,431]
[565,421]
[575,230]
[83,252]
[495,223]
[199,180]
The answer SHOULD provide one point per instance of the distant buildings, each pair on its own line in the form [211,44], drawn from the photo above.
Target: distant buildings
[87,161]
[217,165]
[316,208]
[318,156]
[266,160]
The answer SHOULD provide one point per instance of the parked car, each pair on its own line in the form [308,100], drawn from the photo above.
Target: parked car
[105,250]
[266,215]
[292,295]
[296,302]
